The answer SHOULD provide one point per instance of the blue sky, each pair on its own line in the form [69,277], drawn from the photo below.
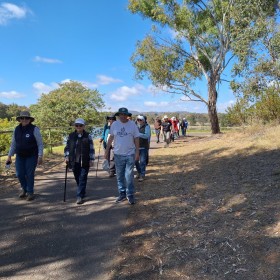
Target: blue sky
[91,41]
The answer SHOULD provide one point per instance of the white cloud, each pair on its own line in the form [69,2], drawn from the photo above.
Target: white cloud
[84,83]
[46,60]
[89,84]
[11,94]
[9,11]
[123,93]
[156,104]
[221,107]
[105,80]
[43,88]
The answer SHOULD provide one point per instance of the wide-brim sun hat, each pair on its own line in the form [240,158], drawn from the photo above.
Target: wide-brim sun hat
[123,111]
[25,114]
[80,121]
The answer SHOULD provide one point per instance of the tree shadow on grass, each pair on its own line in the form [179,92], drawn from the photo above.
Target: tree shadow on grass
[205,217]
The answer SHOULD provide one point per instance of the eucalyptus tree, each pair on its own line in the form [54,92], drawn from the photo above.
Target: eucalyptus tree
[259,89]
[207,36]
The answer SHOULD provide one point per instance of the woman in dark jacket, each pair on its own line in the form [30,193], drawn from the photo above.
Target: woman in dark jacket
[79,155]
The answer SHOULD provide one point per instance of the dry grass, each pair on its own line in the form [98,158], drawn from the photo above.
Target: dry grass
[209,209]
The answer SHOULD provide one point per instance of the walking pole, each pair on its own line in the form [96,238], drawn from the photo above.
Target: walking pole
[66,169]
[97,160]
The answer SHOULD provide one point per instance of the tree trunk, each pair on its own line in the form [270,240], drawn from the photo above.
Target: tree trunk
[212,108]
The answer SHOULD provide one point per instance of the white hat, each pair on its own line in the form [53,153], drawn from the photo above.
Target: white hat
[140,117]
[165,117]
[80,121]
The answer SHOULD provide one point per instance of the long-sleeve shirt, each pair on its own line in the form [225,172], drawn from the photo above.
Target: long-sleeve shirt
[39,140]
[145,135]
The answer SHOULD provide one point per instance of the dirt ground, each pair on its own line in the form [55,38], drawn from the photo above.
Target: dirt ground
[208,209]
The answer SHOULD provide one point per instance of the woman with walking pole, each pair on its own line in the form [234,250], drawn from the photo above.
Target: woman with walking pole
[79,156]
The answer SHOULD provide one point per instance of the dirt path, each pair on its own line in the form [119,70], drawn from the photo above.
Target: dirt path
[52,239]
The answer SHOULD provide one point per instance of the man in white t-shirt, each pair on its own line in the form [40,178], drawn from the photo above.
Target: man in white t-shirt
[125,135]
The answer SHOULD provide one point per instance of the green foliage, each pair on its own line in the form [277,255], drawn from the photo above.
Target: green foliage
[6,128]
[258,88]
[56,111]
[62,106]
[10,111]
[239,113]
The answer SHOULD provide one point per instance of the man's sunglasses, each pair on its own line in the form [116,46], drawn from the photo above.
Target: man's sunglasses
[79,125]
[140,120]
[110,119]
[24,118]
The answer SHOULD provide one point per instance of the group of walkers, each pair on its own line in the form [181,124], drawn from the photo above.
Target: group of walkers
[170,129]
[125,141]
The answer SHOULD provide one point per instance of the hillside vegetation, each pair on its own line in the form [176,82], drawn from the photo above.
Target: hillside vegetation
[208,209]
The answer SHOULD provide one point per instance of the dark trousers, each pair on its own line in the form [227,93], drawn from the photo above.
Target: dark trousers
[157,134]
[80,174]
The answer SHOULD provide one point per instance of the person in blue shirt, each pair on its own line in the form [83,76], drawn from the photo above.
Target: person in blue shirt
[27,144]
[144,142]
[104,139]
[184,126]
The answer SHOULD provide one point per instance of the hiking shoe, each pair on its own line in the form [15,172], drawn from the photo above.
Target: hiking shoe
[22,194]
[30,196]
[121,197]
[141,179]
[79,200]
[111,174]
[131,199]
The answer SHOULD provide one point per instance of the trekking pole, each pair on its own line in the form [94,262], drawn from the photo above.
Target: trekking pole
[97,160]
[66,169]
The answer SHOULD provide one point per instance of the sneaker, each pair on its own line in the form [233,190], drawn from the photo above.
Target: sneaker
[121,197]
[131,199]
[141,179]
[111,174]
[30,196]
[79,200]
[22,194]
[137,176]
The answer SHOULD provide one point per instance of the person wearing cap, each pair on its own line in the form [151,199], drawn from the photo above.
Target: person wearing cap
[144,138]
[166,127]
[104,138]
[125,135]
[174,128]
[184,126]
[27,144]
[79,156]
